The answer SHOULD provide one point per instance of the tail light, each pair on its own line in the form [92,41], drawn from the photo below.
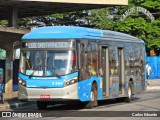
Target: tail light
[74,58]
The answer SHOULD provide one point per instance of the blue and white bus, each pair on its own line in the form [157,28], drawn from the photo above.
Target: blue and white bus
[67,63]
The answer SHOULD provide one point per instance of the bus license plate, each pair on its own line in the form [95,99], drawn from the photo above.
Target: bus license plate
[45,96]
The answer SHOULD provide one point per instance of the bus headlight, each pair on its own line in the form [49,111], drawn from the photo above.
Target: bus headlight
[22,82]
[71,81]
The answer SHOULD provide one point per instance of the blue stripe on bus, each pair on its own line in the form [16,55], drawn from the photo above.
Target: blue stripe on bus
[126,85]
[84,88]
[137,85]
[111,87]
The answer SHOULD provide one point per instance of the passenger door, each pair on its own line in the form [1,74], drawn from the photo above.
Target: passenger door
[121,70]
[105,69]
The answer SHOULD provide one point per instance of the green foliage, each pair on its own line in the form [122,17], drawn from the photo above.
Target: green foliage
[3,22]
[139,25]
[153,34]
[59,16]
[152,4]
[100,20]
[24,22]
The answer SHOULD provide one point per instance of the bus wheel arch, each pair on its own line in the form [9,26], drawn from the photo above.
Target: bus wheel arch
[94,96]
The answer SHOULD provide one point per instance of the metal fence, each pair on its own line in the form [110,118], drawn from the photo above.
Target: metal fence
[154,62]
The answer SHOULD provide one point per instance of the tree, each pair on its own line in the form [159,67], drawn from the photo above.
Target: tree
[140,25]
[3,22]
[101,19]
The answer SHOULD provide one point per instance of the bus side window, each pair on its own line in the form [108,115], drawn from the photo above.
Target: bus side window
[92,58]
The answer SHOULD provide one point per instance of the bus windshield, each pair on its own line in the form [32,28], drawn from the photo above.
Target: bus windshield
[47,63]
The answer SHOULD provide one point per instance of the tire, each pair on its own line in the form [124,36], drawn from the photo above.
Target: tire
[41,105]
[94,98]
[129,98]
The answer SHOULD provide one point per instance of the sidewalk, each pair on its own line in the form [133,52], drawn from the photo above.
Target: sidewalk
[154,84]
[13,103]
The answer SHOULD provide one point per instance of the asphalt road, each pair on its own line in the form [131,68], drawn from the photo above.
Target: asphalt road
[147,102]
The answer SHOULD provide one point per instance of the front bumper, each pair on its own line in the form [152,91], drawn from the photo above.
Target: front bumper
[56,94]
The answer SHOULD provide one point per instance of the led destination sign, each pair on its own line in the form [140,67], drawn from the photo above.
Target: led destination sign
[49,45]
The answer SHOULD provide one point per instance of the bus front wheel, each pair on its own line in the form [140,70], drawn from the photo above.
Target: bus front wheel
[41,105]
[94,98]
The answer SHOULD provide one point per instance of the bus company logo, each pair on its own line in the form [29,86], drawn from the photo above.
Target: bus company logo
[6,114]
[45,96]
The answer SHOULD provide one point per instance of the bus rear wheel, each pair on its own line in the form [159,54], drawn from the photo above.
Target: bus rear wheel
[41,105]
[94,98]
[129,98]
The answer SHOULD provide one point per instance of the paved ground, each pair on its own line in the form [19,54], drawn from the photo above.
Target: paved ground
[14,103]
[153,84]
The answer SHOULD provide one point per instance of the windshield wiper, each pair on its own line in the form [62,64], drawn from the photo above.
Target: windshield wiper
[32,74]
[54,73]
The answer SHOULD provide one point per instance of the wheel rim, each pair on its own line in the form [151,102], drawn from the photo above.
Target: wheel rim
[92,96]
[129,92]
